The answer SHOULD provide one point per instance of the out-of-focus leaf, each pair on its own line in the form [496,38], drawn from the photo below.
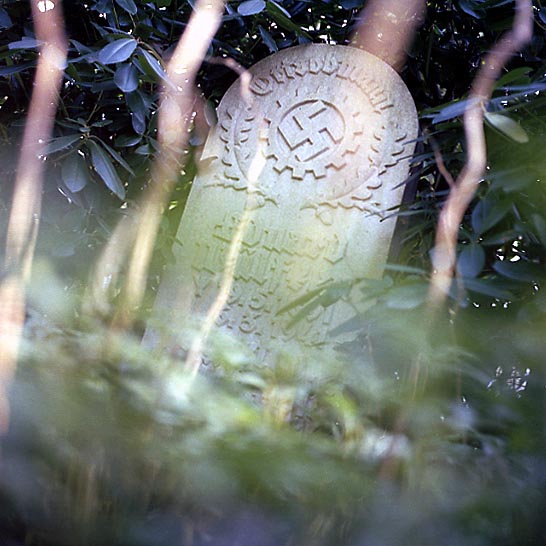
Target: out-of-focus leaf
[74,172]
[351,4]
[487,288]
[5,19]
[520,270]
[471,260]
[450,111]
[507,126]
[520,75]
[470,7]
[251,7]
[25,43]
[485,215]
[117,51]
[16,68]
[513,180]
[542,15]
[126,78]
[105,169]
[62,143]
[128,5]
[540,227]
[408,296]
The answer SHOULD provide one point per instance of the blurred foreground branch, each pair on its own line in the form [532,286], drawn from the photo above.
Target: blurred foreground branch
[176,113]
[27,196]
[387,28]
[462,193]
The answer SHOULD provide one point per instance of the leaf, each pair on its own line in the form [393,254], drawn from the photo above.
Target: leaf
[520,270]
[542,15]
[468,7]
[520,75]
[251,7]
[126,78]
[407,296]
[5,19]
[117,51]
[512,180]
[62,143]
[128,5]
[154,66]
[105,169]
[486,214]
[507,126]
[25,43]
[118,158]
[453,110]
[74,172]
[268,40]
[282,18]
[540,227]
[16,68]
[126,141]
[471,260]
[351,4]
[487,288]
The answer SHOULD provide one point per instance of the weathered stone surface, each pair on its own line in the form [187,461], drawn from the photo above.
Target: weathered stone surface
[305,162]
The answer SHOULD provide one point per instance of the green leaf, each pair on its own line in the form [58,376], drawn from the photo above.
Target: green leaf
[471,260]
[152,66]
[507,126]
[282,18]
[126,78]
[408,296]
[117,51]
[74,172]
[128,5]
[251,7]
[62,143]
[105,169]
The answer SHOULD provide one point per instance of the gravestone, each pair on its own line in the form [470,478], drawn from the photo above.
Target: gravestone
[304,163]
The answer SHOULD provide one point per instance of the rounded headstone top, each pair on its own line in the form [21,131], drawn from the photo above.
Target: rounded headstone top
[315,113]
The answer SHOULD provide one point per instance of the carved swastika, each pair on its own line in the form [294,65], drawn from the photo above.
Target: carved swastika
[310,130]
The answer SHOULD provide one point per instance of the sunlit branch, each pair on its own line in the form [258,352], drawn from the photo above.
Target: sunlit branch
[445,250]
[174,124]
[27,197]
[387,28]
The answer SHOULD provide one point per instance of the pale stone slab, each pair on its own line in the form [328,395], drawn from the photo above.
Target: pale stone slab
[306,160]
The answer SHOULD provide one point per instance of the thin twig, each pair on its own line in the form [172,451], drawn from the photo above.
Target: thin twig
[445,250]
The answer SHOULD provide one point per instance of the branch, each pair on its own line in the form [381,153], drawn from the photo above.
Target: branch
[174,125]
[387,28]
[445,250]
[27,196]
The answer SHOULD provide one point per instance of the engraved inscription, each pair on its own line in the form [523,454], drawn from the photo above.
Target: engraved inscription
[273,264]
